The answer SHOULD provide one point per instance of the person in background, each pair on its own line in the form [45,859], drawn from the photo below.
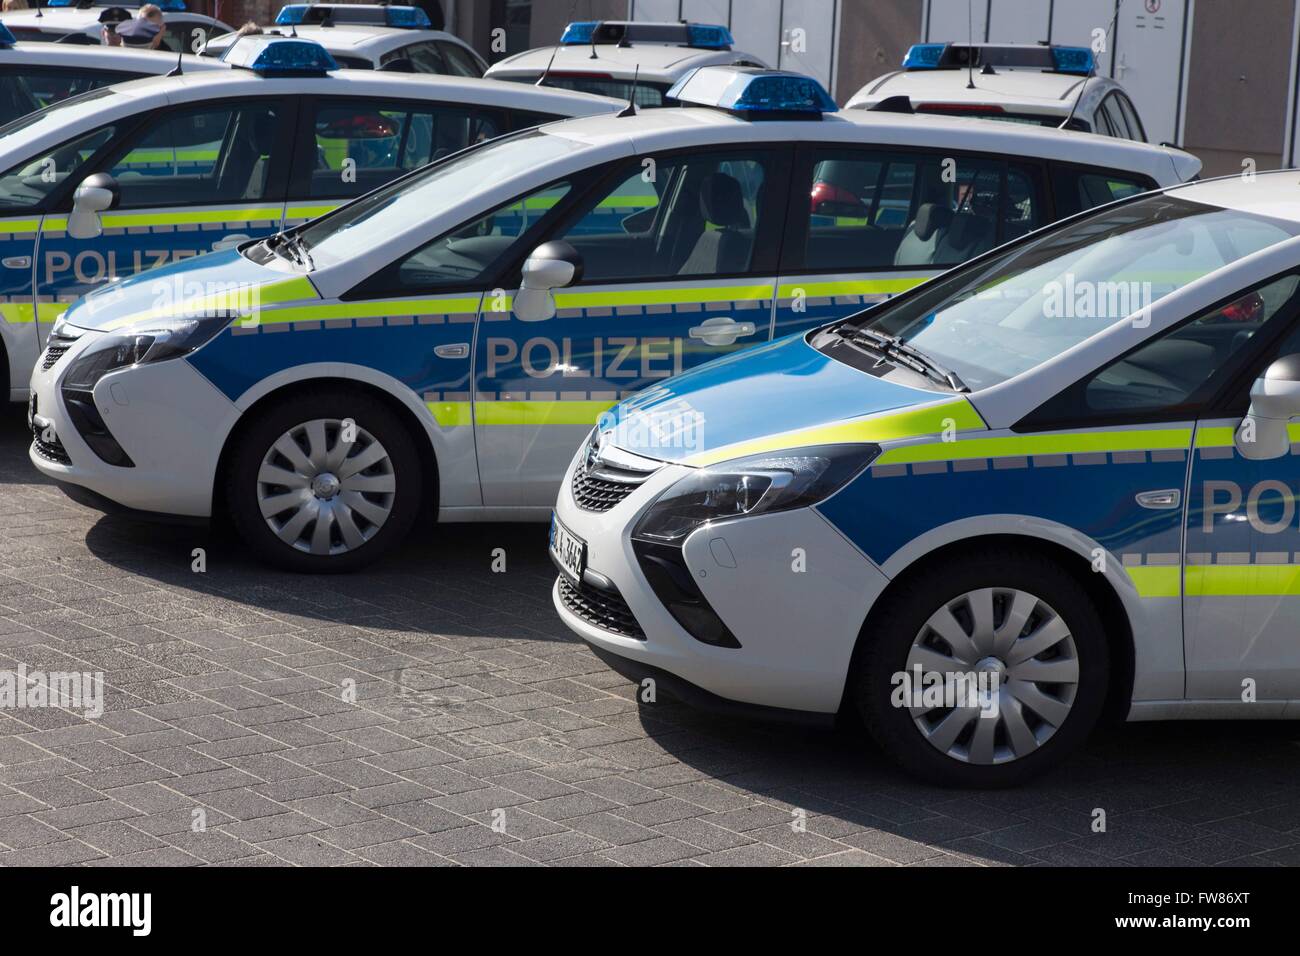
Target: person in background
[249,29]
[109,20]
[145,30]
[10,5]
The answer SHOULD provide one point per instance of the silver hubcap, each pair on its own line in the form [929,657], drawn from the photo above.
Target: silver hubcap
[1016,636]
[324,495]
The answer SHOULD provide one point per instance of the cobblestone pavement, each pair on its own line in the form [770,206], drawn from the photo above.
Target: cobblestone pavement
[474,706]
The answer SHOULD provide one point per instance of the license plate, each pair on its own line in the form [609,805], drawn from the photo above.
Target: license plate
[568,550]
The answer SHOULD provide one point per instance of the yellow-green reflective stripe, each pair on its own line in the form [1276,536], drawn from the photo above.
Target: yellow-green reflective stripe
[455,414]
[20,313]
[1077,443]
[540,413]
[912,423]
[310,212]
[860,287]
[1156,582]
[589,300]
[19,225]
[1249,580]
[1222,436]
[128,219]
[366,310]
[241,298]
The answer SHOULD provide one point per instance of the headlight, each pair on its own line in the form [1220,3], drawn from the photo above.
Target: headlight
[141,344]
[760,484]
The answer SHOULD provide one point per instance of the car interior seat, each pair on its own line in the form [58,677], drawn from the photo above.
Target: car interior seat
[726,248]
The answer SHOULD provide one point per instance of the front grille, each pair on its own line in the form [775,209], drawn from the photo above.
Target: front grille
[49,450]
[604,609]
[52,355]
[597,494]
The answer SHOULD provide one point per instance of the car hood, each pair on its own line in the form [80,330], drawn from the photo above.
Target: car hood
[219,282]
[782,395]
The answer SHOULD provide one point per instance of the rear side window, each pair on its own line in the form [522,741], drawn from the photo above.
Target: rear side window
[459,61]
[360,145]
[1118,124]
[873,210]
[1076,189]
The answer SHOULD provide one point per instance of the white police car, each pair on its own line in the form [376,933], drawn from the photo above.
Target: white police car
[36,75]
[180,166]
[610,57]
[1058,480]
[1020,83]
[447,341]
[81,22]
[373,37]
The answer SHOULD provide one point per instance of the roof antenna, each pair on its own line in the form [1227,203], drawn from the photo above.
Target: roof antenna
[630,110]
[1078,99]
[970,45]
[38,9]
[599,24]
[177,71]
[541,80]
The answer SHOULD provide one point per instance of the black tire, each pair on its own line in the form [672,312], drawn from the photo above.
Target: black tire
[888,638]
[372,417]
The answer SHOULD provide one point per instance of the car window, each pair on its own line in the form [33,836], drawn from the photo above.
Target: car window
[1135,129]
[361,145]
[459,61]
[208,155]
[993,320]
[469,254]
[1078,189]
[1181,369]
[678,216]
[186,36]
[27,183]
[35,87]
[880,210]
[647,94]
[425,57]
[1102,124]
[1110,107]
[353,62]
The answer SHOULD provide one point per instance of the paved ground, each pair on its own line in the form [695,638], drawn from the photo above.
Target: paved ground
[475,706]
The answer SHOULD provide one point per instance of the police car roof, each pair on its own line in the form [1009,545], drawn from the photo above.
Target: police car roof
[124,59]
[234,82]
[654,130]
[76,20]
[1273,194]
[352,37]
[658,63]
[1035,90]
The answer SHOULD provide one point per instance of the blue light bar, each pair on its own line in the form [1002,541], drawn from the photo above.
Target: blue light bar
[1074,59]
[753,91]
[303,14]
[707,36]
[924,56]
[6,38]
[579,34]
[280,56]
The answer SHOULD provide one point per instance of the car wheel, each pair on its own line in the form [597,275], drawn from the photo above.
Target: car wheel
[324,482]
[1025,657]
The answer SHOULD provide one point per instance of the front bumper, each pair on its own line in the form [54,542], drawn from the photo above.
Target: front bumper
[790,588]
[166,416]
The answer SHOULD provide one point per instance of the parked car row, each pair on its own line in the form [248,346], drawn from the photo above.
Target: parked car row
[863,400]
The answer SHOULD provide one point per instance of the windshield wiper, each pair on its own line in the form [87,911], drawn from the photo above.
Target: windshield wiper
[290,246]
[894,349]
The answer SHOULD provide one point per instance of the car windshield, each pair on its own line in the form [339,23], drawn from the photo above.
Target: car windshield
[59,114]
[1015,310]
[424,196]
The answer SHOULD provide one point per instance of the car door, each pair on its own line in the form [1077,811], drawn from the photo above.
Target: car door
[347,146]
[189,181]
[679,256]
[866,223]
[1242,588]
[25,191]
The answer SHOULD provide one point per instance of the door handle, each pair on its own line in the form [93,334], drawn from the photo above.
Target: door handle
[1163,500]
[230,241]
[459,350]
[722,331]
[17,262]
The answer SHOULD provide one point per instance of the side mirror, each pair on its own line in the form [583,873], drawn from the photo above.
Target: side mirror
[96,194]
[1274,401]
[553,265]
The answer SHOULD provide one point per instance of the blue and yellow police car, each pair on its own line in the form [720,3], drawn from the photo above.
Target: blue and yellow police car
[1058,480]
[446,341]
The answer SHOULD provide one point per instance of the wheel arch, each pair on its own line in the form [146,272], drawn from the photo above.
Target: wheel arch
[1103,589]
[264,395]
